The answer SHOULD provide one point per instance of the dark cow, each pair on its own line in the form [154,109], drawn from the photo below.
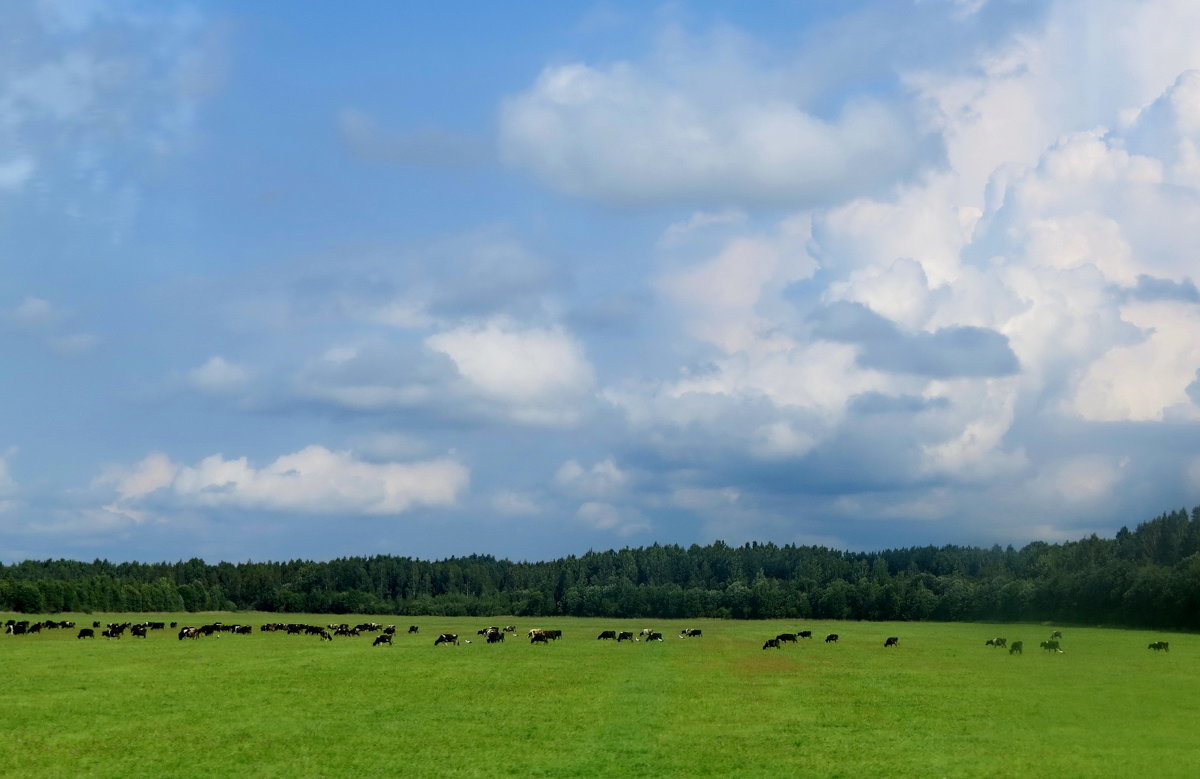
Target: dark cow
[385,638]
[1160,646]
[1000,642]
[111,633]
[690,633]
[771,643]
[788,637]
[625,635]
[413,628]
[891,641]
[446,638]
[188,632]
[1051,646]
[324,634]
[831,638]
[1017,648]
[86,633]
[1056,634]
[539,637]
[138,631]
[495,636]
[654,635]
[510,628]
[607,634]
[805,634]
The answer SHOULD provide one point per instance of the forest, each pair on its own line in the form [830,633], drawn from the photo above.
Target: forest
[1147,577]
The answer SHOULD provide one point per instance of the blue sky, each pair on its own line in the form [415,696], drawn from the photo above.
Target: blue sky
[286,280]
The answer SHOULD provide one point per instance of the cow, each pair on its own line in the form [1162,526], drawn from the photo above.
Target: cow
[1160,645]
[446,638]
[86,633]
[805,634]
[788,637]
[1051,646]
[771,643]
[607,634]
[390,630]
[645,632]
[138,631]
[1000,642]
[1056,634]
[831,638]
[690,633]
[485,631]
[325,635]
[510,628]
[385,638]
[654,635]
[111,633]
[539,637]
[891,641]
[413,628]
[1016,648]
[625,635]
[495,636]
[188,632]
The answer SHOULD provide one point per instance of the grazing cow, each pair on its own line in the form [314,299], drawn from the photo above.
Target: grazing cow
[325,635]
[495,636]
[111,633]
[891,641]
[772,643]
[385,638]
[625,635]
[485,631]
[607,634]
[1000,642]
[1017,648]
[446,638]
[654,635]
[86,633]
[510,628]
[831,638]
[782,637]
[539,637]
[138,631]
[1051,646]
[413,628]
[805,634]
[690,633]
[1056,634]
[95,624]
[1160,645]
[390,630]
[645,632]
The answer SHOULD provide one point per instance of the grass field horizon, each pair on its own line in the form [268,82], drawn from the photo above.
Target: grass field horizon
[269,704]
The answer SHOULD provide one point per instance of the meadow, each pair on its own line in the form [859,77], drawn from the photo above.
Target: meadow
[269,704]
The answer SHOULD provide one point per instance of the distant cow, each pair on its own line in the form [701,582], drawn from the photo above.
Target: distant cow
[385,638]
[539,637]
[690,633]
[654,636]
[1051,646]
[625,635]
[1016,648]
[495,636]
[789,637]
[138,631]
[771,643]
[831,638]
[1056,634]
[607,634]
[1000,642]
[645,632]
[86,633]
[446,638]
[1160,645]
[325,635]
[891,641]
[805,634]
[413,628]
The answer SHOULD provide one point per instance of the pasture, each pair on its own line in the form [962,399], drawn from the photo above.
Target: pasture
[269,704]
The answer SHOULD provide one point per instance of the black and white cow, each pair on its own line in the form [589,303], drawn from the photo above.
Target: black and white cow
[771,643]
[607,634]
[891,641]
[1051,646]
[786,637]
[625,635]
[385,638]
[446,638]
[831,638]
[1162,646]
[690,633]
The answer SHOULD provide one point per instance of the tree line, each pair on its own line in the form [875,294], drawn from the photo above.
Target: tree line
[1147,577]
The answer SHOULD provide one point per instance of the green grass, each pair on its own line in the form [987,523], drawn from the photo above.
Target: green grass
[268,704]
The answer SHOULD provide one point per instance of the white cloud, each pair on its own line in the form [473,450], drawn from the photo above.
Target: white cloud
[313,480]
[14,173]
[604,478]
[35,313]
[629,133]
[536,375]
[513,503]
[218,375]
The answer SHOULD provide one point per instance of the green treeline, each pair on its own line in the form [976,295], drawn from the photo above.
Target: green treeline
[1148,577]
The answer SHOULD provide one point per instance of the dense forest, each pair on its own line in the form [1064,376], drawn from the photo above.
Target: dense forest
[1148,577]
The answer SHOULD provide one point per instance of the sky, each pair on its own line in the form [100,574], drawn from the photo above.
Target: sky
[289,280]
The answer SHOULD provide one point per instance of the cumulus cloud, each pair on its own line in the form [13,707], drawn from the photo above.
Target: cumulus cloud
[660,133]
[536,375]
[314,480]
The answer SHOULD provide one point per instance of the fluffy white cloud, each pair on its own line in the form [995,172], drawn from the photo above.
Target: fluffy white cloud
[631,134]
[314,480]
[218,375]
[604,478]
[536,375]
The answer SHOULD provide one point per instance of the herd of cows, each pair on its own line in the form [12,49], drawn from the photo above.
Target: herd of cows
[491,635]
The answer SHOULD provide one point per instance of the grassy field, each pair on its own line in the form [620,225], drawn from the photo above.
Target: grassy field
[269,704]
